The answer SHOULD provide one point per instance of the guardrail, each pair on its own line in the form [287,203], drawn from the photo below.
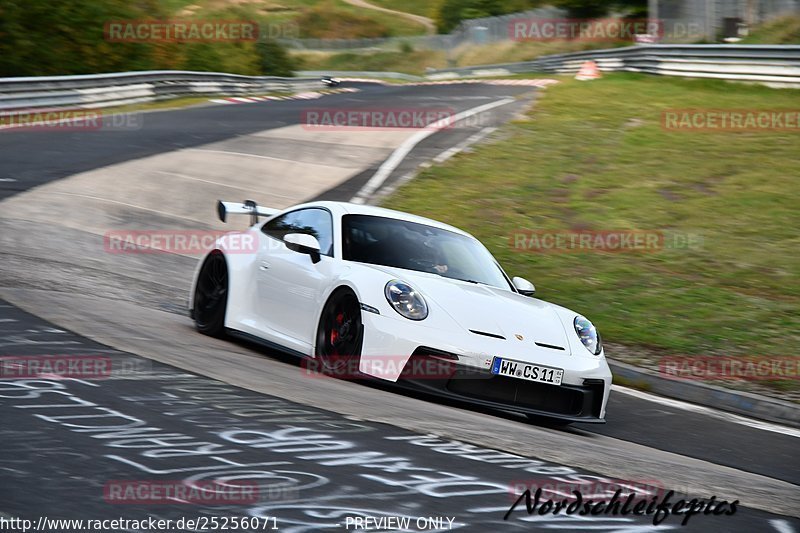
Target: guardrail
[773,65]
[359,74]
[103,90]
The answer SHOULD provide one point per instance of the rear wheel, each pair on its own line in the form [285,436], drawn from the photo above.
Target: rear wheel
[211,296]
[340,334]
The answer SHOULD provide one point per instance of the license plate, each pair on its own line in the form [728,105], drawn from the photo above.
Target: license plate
[518,369]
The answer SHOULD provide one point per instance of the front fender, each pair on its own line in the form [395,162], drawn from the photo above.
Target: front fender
[389,338]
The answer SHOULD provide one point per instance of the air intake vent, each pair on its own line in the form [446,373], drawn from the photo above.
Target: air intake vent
[551,346]
[492,335]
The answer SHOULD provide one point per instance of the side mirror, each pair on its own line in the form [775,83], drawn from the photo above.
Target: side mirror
[303,243]
[523,286]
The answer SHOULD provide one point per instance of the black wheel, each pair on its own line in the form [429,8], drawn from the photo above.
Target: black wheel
[340,334]
[211,296]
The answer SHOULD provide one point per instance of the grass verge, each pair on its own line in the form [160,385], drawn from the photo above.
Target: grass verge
[594,156]
[411,61]
[784,30]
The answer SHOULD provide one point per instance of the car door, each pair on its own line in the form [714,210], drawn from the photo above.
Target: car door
[290,283]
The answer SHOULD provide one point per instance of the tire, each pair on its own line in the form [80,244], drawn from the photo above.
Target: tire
[340,335]
[211,296]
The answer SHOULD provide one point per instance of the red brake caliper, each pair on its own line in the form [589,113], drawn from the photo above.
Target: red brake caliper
[335,331]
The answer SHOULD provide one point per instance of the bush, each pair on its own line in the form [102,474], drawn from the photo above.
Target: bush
[274,60]
[324,21]
[51,37]
[450,13]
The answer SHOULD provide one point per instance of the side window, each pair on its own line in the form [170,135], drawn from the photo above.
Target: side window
[313,221]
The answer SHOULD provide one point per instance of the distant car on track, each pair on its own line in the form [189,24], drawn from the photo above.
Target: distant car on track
[330,81]
[394,292]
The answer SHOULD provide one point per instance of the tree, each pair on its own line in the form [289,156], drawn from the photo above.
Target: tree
[274,60]
[588,9]
[202,57]
[41,37]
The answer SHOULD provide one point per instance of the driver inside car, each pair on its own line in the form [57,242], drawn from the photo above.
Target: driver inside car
[435,257]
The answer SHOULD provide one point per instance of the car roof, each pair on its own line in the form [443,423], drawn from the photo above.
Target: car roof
[347,208]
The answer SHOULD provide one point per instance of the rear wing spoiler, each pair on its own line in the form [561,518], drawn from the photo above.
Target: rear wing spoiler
[248,207]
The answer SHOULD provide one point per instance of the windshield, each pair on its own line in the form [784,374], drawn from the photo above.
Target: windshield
[412,246]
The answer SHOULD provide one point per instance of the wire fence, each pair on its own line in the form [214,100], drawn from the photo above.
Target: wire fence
[473,31]
[710,20]
[680,21]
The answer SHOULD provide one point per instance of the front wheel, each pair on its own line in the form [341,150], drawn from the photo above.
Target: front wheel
[211,296]
[340,334]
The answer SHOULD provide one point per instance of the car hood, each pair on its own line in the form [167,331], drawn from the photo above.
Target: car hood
[485,309]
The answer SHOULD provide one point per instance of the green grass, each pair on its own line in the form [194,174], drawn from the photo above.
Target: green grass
[785,30]
[593,155]
[417,61]
[414,62]
[397,26]
[314,18]
[425,8]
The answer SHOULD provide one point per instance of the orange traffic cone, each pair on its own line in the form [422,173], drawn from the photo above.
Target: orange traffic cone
[588,71]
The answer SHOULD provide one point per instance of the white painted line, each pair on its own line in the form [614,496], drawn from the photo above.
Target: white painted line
[394,160]
[117,202]
[244,154]
[7,179]
[192,178]
[721,415]
[389,190]
[450,152]
[782,526]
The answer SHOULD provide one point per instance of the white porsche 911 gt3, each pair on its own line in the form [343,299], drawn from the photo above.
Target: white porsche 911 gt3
[394,292]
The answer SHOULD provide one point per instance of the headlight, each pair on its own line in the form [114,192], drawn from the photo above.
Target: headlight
[588,335]
[406,300]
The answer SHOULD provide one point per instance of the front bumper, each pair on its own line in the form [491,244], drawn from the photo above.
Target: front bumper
[574,403]
[581,397]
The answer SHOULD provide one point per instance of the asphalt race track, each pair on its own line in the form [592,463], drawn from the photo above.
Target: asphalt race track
[322,450]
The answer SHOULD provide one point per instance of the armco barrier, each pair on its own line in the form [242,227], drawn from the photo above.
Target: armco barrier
[360,74]
[102,90]
[773,65]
